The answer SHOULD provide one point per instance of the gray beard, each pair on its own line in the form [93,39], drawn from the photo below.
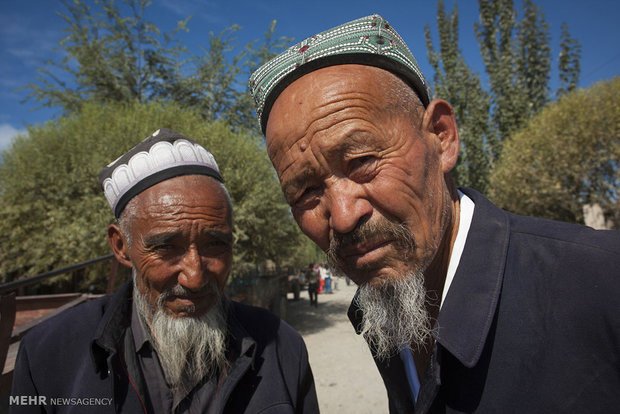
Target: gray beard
[394,315]
[189,349]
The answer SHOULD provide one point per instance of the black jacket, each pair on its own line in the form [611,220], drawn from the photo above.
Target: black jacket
[84,354]
[530,324]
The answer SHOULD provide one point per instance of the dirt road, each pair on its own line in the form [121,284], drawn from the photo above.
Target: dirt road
[345,375]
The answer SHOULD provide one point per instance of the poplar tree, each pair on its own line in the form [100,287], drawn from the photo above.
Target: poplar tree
[517,57]
[516,54]
[568,62]
[454,81]
[494,32]
[533,59]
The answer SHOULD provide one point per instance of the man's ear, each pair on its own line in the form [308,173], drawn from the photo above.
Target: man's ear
[119,246]
[439,120]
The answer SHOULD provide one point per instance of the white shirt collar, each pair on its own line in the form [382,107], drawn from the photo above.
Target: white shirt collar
[465,216]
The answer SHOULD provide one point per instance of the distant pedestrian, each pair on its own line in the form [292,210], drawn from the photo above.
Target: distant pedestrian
[312,276]
[335,279]
[326,275]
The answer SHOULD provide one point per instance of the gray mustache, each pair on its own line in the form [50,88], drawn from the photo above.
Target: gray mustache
[181,291]
[382,228]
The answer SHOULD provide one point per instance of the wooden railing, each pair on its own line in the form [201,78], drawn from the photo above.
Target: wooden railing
[9,337]
[32,280]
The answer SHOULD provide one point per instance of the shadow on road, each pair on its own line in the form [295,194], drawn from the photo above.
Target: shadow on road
[308,319]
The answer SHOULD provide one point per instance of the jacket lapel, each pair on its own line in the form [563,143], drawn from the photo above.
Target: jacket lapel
[115,320]
[240,358]
[467,314]
[109,348]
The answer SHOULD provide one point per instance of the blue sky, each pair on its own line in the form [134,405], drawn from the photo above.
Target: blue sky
[30,29]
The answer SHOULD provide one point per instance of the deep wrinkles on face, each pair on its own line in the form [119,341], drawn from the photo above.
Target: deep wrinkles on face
[135,209]
[406,151]
[393,91]
[326,117]
[388,153]
[321,156]
[170,208]
[191,216]
[198,217]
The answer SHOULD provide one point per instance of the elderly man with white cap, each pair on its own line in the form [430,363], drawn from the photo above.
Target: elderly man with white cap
[168,341]
[466,307]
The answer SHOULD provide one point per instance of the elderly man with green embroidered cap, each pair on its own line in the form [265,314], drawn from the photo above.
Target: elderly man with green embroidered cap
[167,341]
[466,308]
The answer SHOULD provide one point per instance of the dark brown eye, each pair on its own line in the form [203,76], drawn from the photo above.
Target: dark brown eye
[359,161]
[362,168]
[308,198]
[166,250]
[215,247]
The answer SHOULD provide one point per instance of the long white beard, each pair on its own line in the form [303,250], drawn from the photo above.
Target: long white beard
[189,349]
[394,315]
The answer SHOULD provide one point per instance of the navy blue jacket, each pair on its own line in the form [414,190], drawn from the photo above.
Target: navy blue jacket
[85,354]
[530,324]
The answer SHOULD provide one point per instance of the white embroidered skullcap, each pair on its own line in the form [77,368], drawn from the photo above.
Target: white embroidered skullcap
[163,155]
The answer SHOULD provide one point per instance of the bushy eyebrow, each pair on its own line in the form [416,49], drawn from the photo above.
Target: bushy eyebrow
[291,186]
[159,238]
[353,141]
[224,236]
[167,237]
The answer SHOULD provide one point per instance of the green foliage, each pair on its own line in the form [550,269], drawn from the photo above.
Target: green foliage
[495,36]
[566,156]
[113,54]
[110,55]
[568,62]
[454,82]
[533,58]
[53,214]
[517,58]
[216,85]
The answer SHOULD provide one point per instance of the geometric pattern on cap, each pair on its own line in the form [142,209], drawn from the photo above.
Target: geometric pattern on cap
[371,35]
[161,156]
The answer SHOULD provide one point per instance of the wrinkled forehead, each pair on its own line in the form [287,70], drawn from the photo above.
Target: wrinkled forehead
[313,101]
[192,194]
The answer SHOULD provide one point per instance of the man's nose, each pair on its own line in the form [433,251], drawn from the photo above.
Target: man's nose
[347,206]
[193,275]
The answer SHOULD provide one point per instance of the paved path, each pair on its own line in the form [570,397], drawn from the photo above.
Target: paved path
[345,375]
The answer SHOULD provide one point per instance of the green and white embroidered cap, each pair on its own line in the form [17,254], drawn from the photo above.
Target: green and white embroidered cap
[368,41]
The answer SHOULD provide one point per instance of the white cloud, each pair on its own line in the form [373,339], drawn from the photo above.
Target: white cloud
[7,133]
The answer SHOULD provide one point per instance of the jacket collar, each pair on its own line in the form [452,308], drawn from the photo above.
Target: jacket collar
[240,342]
[469,308]
[116,318]
[467,313]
